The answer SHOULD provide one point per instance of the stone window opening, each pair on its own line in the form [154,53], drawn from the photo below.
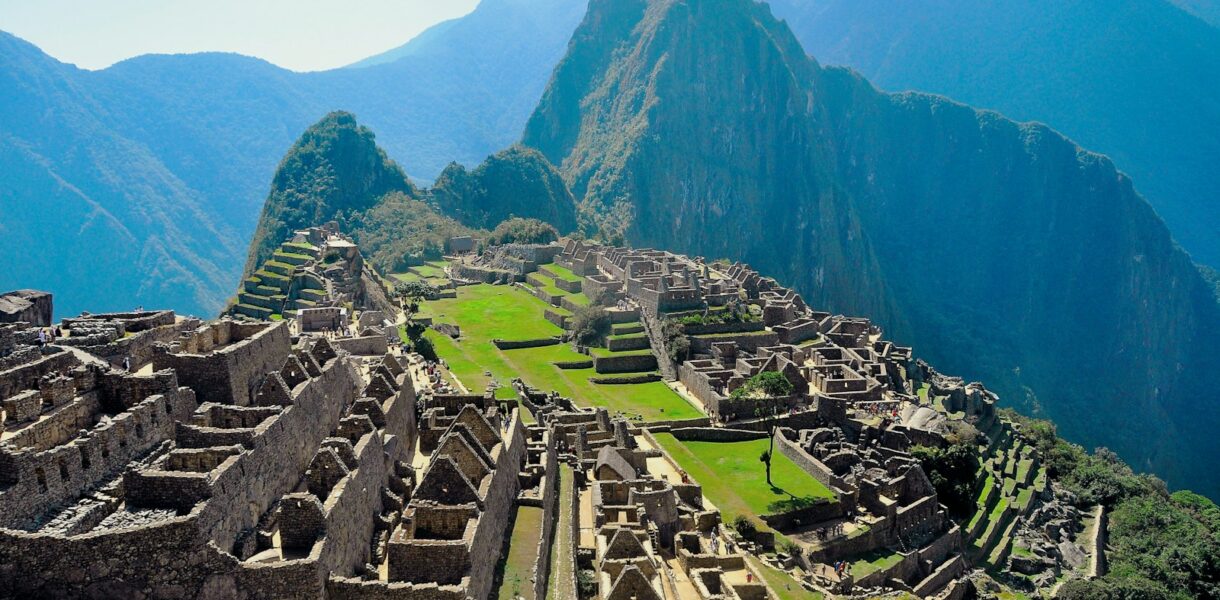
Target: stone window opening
[42,479]
[84,458]
[63,470]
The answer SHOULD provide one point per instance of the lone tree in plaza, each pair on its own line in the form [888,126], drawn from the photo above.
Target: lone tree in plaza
[410,294]
[765,385]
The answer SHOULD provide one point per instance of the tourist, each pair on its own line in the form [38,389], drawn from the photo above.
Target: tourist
[127,363]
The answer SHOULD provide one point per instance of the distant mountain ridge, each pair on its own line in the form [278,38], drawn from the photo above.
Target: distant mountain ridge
[1133,79]
[148,175]
[1002,250]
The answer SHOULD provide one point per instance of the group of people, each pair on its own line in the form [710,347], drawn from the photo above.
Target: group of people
[47,335]
[882,410]
[824,533]
[341,332]
[842,568]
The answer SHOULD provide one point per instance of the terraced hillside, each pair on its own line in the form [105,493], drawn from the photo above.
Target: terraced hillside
[514,331]
[282,285]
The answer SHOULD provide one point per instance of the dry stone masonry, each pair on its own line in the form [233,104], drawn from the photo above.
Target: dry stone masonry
[295,449]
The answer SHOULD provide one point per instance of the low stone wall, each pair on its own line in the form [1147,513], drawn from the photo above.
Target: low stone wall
[631,342]
[372,345]
[736,327]
[626,379]
[716,434]
[821,510]
[556,318]
[746,341]
[517,344]
[574,364]
[631,363]
[630,315]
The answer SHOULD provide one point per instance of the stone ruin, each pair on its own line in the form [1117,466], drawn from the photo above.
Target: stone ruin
[241,461]
[317,275]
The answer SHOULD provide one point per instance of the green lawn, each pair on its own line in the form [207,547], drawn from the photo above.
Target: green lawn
[736,481]
[784,586]
[518,565]
[486,312]
[562,552]
[431,269]
[873,562]
[559,272]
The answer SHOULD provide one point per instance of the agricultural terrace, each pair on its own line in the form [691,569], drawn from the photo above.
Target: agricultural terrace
[735,480]
[486,312]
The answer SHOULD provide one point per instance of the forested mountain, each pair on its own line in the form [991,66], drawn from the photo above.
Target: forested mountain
[517,182]
[140,182]
[1133,79]
[336,172]
[1002,250]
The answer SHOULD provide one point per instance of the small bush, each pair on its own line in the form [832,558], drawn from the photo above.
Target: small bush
[590,325]
[745,527]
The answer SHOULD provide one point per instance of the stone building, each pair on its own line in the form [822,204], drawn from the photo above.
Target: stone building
[26,306]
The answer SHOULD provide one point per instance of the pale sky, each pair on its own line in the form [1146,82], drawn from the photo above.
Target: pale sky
[302,35]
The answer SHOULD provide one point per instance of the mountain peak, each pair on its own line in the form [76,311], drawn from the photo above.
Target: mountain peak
[675,121]
[334,169]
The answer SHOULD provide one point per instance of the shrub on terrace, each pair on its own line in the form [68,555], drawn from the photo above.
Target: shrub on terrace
[768,384]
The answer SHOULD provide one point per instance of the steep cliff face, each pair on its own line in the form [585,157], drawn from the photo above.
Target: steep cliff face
[517,182]
[1134,79]
[1002,250]
[691,126]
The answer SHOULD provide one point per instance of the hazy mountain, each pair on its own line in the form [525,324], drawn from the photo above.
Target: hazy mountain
[1208,10]
[1134,79]
[1001,250]
[140,182]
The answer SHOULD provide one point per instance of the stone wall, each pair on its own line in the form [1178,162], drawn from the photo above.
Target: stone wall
[232,373]
[749,342]
[628,342]
[282,450]
[550,516]
[115,563]
[716,434]
[35,482]
[371,345]
[517,344]
[630,363]
[493,523]
[26,377]
[710,328]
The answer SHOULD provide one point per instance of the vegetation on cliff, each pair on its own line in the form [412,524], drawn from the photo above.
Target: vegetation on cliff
[517,182]
[334,172]
[1134,79]
[1161,545]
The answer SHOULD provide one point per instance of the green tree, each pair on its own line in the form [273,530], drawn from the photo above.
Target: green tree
[590,325]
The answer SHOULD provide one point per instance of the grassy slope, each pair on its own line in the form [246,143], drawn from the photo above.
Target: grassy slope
[736,482]
[522,554]
[486,312]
